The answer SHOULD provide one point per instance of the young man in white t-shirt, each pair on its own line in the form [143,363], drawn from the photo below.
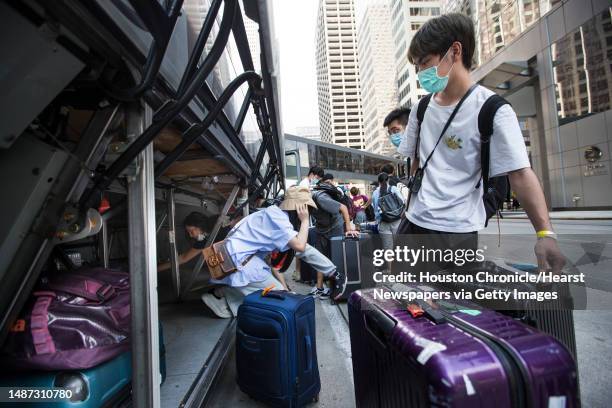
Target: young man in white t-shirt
[314,175]
[448,200]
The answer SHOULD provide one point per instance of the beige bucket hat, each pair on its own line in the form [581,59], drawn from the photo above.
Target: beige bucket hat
[297,195]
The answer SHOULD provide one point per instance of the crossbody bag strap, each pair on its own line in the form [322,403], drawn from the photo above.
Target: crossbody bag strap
[423,104]
[232,231]
[421,108]
[447,124]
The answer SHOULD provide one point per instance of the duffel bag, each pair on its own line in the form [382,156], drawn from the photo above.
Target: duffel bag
[73,320]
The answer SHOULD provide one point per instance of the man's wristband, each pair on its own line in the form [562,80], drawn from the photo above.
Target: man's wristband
[546,233]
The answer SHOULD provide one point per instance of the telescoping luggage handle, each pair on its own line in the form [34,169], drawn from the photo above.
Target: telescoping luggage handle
[357,239]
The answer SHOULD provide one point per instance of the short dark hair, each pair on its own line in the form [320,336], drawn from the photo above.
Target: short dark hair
[354,191]
[400,114]
[199,220]
[327,176]
[438,34]
[388,168]
[317,171]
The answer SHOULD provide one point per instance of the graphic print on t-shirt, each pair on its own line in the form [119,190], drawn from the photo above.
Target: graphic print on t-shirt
[453,142]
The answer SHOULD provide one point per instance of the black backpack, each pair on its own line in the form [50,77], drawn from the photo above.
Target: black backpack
[390,205]
[323,218]
[495,189]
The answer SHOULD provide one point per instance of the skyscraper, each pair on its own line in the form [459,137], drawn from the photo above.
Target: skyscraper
[497,22]
[338,89]
[407,16]
[377,75]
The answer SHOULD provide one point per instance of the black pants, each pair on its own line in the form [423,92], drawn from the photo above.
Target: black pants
[417,237]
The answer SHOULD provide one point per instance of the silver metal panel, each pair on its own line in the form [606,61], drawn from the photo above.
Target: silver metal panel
[104,245]
[175,59]
[146,378]
[33,71]
[29,171]
[174,264]
[97,128]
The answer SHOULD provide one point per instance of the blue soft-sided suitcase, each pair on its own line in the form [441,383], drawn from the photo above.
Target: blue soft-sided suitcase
[103,386]
[276,351]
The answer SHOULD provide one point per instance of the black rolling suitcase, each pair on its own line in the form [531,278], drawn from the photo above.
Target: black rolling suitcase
[307,272]
[554,317]
[354,257]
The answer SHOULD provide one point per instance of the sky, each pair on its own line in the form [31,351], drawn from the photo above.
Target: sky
[295,24]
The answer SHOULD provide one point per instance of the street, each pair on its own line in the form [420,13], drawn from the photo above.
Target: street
[593,327]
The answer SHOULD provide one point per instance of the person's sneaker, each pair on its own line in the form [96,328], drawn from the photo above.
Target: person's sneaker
[339,284]
[314,290]
[321,293]
[218,305]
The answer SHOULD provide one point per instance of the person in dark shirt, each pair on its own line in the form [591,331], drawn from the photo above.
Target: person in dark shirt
[331,220]
[195,224]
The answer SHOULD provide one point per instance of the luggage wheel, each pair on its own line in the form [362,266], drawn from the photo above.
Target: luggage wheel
[315,398]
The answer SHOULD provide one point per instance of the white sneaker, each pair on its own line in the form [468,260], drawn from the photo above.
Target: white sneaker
[321,294]
[217,305]
[313,290]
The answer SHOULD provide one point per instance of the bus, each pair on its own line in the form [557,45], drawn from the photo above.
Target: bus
[118,119]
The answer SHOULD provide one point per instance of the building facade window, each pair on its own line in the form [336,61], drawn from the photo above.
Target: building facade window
[582,62]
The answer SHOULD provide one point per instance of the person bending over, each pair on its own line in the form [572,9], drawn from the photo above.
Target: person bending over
[195,226]
[331,220]
[275,228]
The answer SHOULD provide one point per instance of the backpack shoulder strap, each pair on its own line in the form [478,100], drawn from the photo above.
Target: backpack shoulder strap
[486,118]
[421,108]
[423,104]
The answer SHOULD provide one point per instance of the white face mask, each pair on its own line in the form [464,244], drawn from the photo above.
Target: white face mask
[201,237]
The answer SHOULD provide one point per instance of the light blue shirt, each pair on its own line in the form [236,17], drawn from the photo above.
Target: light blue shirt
[376,197]
[260,233]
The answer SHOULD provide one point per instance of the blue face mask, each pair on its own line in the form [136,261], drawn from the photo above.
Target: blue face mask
[429,79]
[396,138]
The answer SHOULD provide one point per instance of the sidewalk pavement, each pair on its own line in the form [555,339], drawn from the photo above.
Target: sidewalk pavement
[564,215]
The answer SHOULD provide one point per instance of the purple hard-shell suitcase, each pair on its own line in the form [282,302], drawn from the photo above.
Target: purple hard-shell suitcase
[469,358]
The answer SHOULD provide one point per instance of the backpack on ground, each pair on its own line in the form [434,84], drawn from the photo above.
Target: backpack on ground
[495,189]
[390,204]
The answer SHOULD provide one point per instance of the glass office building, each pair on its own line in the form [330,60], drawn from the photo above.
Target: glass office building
[552,59]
